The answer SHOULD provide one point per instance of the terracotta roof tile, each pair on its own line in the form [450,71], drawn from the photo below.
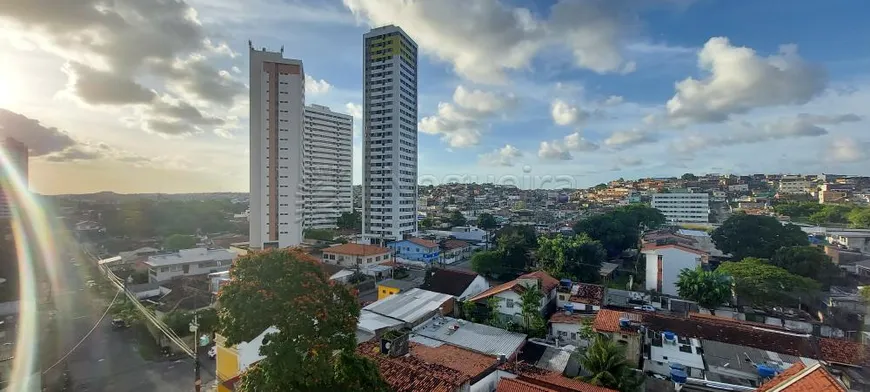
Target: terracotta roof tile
[844,351]
[591,294]
[454,244]
[799,378]
[468,362]
[422,242]
[607,320]
[649,247]
[548,379]
[515,385]
[512,285]
[357,250]
[548,283]
[564,318]
[411,374]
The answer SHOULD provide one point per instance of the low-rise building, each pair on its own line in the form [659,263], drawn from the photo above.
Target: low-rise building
[623,328]
[413,307]
[567,328]
[188,262]
[581,297]
[458,283]
[509,294]
[356,255]
[683,207]
[853,240]
[480,338]
[390,287]
[416,249]
[454,251]
[664,263]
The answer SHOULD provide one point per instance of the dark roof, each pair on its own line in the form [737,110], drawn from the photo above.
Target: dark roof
[449,281]
[331,269]
[454,244]
[403,285]
[591,294]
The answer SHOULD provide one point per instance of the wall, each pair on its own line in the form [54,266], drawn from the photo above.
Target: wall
[227,365]
[353,261]
[487,384]
[673,260]
[159,274]
[564,331]
[385,291]
[411,251]
[477,286]
[632,349]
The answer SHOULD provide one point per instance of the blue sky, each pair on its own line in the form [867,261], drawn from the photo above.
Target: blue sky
[541,94]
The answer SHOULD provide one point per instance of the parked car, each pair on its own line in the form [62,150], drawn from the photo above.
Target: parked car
[212,352]
[645,308]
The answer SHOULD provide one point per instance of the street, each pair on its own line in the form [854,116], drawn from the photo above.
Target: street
[108,359]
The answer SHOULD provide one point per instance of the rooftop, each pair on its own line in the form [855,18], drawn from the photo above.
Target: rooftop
[410,306]
[356,250]
[568,318]
[547,357]
[587,293]
[649,247]
[608,321]
[465,361]
[449,281]
[186,256]
[800,378]
[515,385]
[422,242]
[454,244]
[402,285]
[548,379]
[476,337]
[411,374]
[733,357]
[547,283]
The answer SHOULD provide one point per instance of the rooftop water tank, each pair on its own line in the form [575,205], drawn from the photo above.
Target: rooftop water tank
[670,336]
[569,308]
[766,371]
[624,322]
[679,376]
[565,283]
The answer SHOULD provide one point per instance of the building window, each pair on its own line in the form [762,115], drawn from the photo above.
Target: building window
[509,303]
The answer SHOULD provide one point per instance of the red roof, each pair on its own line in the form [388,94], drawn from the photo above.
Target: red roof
[422,242]
[587,293]
[454,244]
[844,351]
[799,378]
[411,374]
[515,385]
[648,247]
[564,318]
[468,362]
[608,321]
[548,379]
[548,283]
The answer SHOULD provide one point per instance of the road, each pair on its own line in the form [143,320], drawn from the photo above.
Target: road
[108,359]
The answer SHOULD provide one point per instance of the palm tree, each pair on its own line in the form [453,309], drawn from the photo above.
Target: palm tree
[708,288]
[605,362]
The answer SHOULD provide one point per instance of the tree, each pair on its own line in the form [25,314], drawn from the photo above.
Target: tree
[457,219]
[314,346]
[809,262]
[530,310]
[319,234]
[577,257]
[645,216]
[744,235]
[616,231]
[830,213]
[708,288]
[860,217]
[688,177]
[759,283]
[350,221]
[179,241]
[797,209]
[515,244]
[489,263]
[427,223]
[865,293]
[179,322]
[486,221]
[606,363]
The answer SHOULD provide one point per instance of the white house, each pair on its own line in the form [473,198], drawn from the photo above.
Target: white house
[458,283]
[186,262]
[509,294]
[664,263]
[857,240]
[566,327]
[356,255]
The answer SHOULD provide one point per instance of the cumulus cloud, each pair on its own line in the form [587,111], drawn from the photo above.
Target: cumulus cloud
[624,139]
[504,156]
[507,38]
[314,86]
[613,100]
[740,80]
[847,149]
[566,114]
[630,161]
[461,123]
[562,149]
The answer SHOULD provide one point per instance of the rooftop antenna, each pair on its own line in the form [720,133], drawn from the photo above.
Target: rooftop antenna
[282,49]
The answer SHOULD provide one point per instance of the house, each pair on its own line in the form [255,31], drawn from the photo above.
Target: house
[509,294]
[390,287]
[453,251]
[480,338]
[405,372]
[534,379]
[853,240]
[469,233]
[188,262]
[356,255]
[458,283]
[664,263]
[581,297]
[232,361]
[336,273]
[667,349]
[802,378]
[621,327]
[416,249]
[413,306]
[566,328]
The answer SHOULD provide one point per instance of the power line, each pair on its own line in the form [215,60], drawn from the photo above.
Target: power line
[86,335]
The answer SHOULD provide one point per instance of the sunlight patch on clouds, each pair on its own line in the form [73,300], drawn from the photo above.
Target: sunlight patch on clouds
[314,86]
[562,149]
[505,156]
[461,123]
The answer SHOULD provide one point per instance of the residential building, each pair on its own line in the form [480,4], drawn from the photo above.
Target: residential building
[580,297]
[416,249]
[566,327]
[356,255]
[454,251]
[795,186]
[327,166]
[535,379]
[509,295]
[390,287]
[802,378]
[476,337]
[17,156]
[277,102]
[664,263]
[683,207]
[232,361]
[389,135]
[188,262]
[667,349]
[738,188]
[853,240]
[412,307]
[458,283]
[621,327]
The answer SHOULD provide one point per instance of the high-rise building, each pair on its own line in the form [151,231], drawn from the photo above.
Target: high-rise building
[327,166]
[389,135]
[277,103]
[18,156]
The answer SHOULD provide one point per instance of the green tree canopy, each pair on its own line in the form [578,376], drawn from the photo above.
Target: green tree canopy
[807,261]
[489,263]
[486,221]
[619,229]
[688,177]
[530,310]
[576,257]
[320,234]
[860,217]
[314,348]
[457,219]
[427,223]
[515,244]
[350,221]
[744,235]
[759,283]
[830,213]
[179,241]
[797,208]
[606,363]
[708,288]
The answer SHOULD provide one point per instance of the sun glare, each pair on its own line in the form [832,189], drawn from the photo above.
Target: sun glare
[9,82]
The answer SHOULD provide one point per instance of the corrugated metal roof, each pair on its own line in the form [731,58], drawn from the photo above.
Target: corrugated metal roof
[373,322]
[476,337]
[410,306]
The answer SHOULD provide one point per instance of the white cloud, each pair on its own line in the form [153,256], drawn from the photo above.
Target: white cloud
[566,114]
[623,139]
[740,80]
[613,100]
[630,161]
[460,123]
[353,109]
[504,156]
[561,149]
[845,149]
[314,86]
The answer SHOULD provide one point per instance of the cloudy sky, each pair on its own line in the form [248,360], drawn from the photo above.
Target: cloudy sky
[151,95]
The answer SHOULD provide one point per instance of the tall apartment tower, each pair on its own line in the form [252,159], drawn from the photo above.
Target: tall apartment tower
[18,156]
[328,166]
[277,103]
[389,135]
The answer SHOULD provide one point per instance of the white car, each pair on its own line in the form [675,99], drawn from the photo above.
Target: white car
[212,352]
[645,308]
[91,283]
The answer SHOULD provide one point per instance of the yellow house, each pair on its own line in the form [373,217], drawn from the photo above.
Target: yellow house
[233,361]
[393,286]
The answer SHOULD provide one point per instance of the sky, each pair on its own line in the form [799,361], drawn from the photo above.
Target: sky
[138,96]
